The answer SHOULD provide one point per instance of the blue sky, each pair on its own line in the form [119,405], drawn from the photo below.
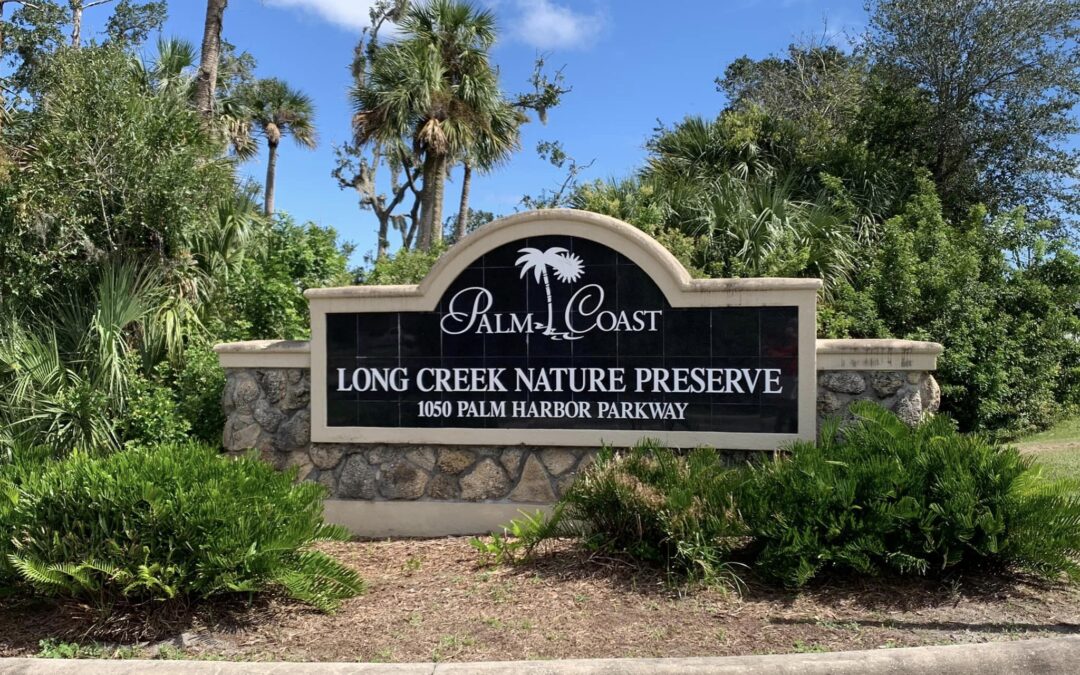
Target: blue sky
[630,63]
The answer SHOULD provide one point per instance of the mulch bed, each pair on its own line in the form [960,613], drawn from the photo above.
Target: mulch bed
[433,600]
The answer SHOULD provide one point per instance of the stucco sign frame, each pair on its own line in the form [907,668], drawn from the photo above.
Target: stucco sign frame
[678,288]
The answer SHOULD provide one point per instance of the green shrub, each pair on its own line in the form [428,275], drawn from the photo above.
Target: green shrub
[879,495]
[151,416]
[660,507]
[199,384]
[176,521]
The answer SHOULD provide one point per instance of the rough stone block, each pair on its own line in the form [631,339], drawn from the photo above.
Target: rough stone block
[358,479]
[535,485]
[828,403]
[558,460]
[843,382]
[274,384]
[487,480]
[268,417]
[326,456]
[422,457]
[455,460]
[909,407]
[402,480]
[886,382]
[443,486]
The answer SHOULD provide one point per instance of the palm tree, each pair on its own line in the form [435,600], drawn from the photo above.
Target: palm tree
[435,90]
[277,110]
[566,266]
[206,81]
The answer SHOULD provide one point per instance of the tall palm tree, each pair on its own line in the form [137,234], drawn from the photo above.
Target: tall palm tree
[277,110]
[206,81]
[435,89]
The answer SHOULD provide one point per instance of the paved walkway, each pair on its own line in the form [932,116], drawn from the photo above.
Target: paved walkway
[1034,657]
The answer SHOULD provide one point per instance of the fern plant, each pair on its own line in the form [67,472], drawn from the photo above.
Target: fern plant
[166,522]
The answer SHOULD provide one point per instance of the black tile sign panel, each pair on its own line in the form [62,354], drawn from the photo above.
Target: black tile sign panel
[560,332]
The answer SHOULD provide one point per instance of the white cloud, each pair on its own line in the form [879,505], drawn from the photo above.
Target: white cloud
[351,14]
[546,25]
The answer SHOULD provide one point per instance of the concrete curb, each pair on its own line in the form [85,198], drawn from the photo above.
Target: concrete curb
[1035,657]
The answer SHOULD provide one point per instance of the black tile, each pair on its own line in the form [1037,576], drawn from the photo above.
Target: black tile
[377,414]
[341,413]
[686,332]
[340,335]
[421,335]
[593,253]
[736,418]
[503,256]
[780,331]
[736,331]
[377,335]
[635,290]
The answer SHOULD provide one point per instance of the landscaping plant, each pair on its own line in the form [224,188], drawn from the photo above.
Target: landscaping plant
[660,507]
[878,495]
[171,522]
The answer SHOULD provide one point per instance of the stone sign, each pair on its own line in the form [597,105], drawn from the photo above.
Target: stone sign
[571,332]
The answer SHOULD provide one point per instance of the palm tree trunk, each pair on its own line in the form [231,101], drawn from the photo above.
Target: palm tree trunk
[548,330]
[206,81]
[271,169]
[437,200]
[429,170]
[463,207]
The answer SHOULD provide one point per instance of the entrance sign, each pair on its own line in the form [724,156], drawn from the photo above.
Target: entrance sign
[565,328]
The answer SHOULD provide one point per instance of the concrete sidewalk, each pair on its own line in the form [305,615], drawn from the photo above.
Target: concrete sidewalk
[1035,657]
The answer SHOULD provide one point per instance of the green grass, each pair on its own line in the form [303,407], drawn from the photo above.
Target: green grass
[1057,448]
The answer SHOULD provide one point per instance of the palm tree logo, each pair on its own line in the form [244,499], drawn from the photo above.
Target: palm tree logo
[566,267]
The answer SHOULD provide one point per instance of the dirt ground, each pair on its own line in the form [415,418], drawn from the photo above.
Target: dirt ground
[432,600]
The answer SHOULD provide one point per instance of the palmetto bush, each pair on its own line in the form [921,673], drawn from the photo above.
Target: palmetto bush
[659,507]
[174,522]
[878,495]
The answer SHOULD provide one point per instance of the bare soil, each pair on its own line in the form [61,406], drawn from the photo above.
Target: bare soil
[433,600]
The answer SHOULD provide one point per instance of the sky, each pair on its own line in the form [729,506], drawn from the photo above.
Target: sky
[631,65]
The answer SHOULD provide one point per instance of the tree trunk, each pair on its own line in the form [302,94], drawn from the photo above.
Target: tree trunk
[463,207]
[271,168]
[430,168]
[384,237]
[206,81]
[76,23]
[437,201]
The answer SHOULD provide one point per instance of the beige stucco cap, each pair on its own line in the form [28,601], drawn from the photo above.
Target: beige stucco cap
[877,354]
[264,354]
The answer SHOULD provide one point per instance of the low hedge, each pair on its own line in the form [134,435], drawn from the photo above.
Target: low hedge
[176,521]
[873,496]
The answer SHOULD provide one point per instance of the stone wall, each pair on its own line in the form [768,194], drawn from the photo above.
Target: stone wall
[910,394]
[269,409]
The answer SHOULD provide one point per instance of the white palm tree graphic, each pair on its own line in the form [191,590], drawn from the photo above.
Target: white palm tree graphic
[566,267]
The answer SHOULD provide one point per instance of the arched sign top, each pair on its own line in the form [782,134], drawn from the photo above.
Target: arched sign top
[676,283]
[564,327]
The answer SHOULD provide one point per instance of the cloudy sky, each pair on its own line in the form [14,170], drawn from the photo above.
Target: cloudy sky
[631,64]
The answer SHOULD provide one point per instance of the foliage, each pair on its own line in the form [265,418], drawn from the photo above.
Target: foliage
[152,414]
[265,298]
[879,495]
[404,267]
[106,166]
[522,536]
[169,522]
[1001,79]
[660,507]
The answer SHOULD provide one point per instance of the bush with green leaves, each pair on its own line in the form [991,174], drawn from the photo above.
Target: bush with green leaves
[176,521]
[658,506]
[877,495]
